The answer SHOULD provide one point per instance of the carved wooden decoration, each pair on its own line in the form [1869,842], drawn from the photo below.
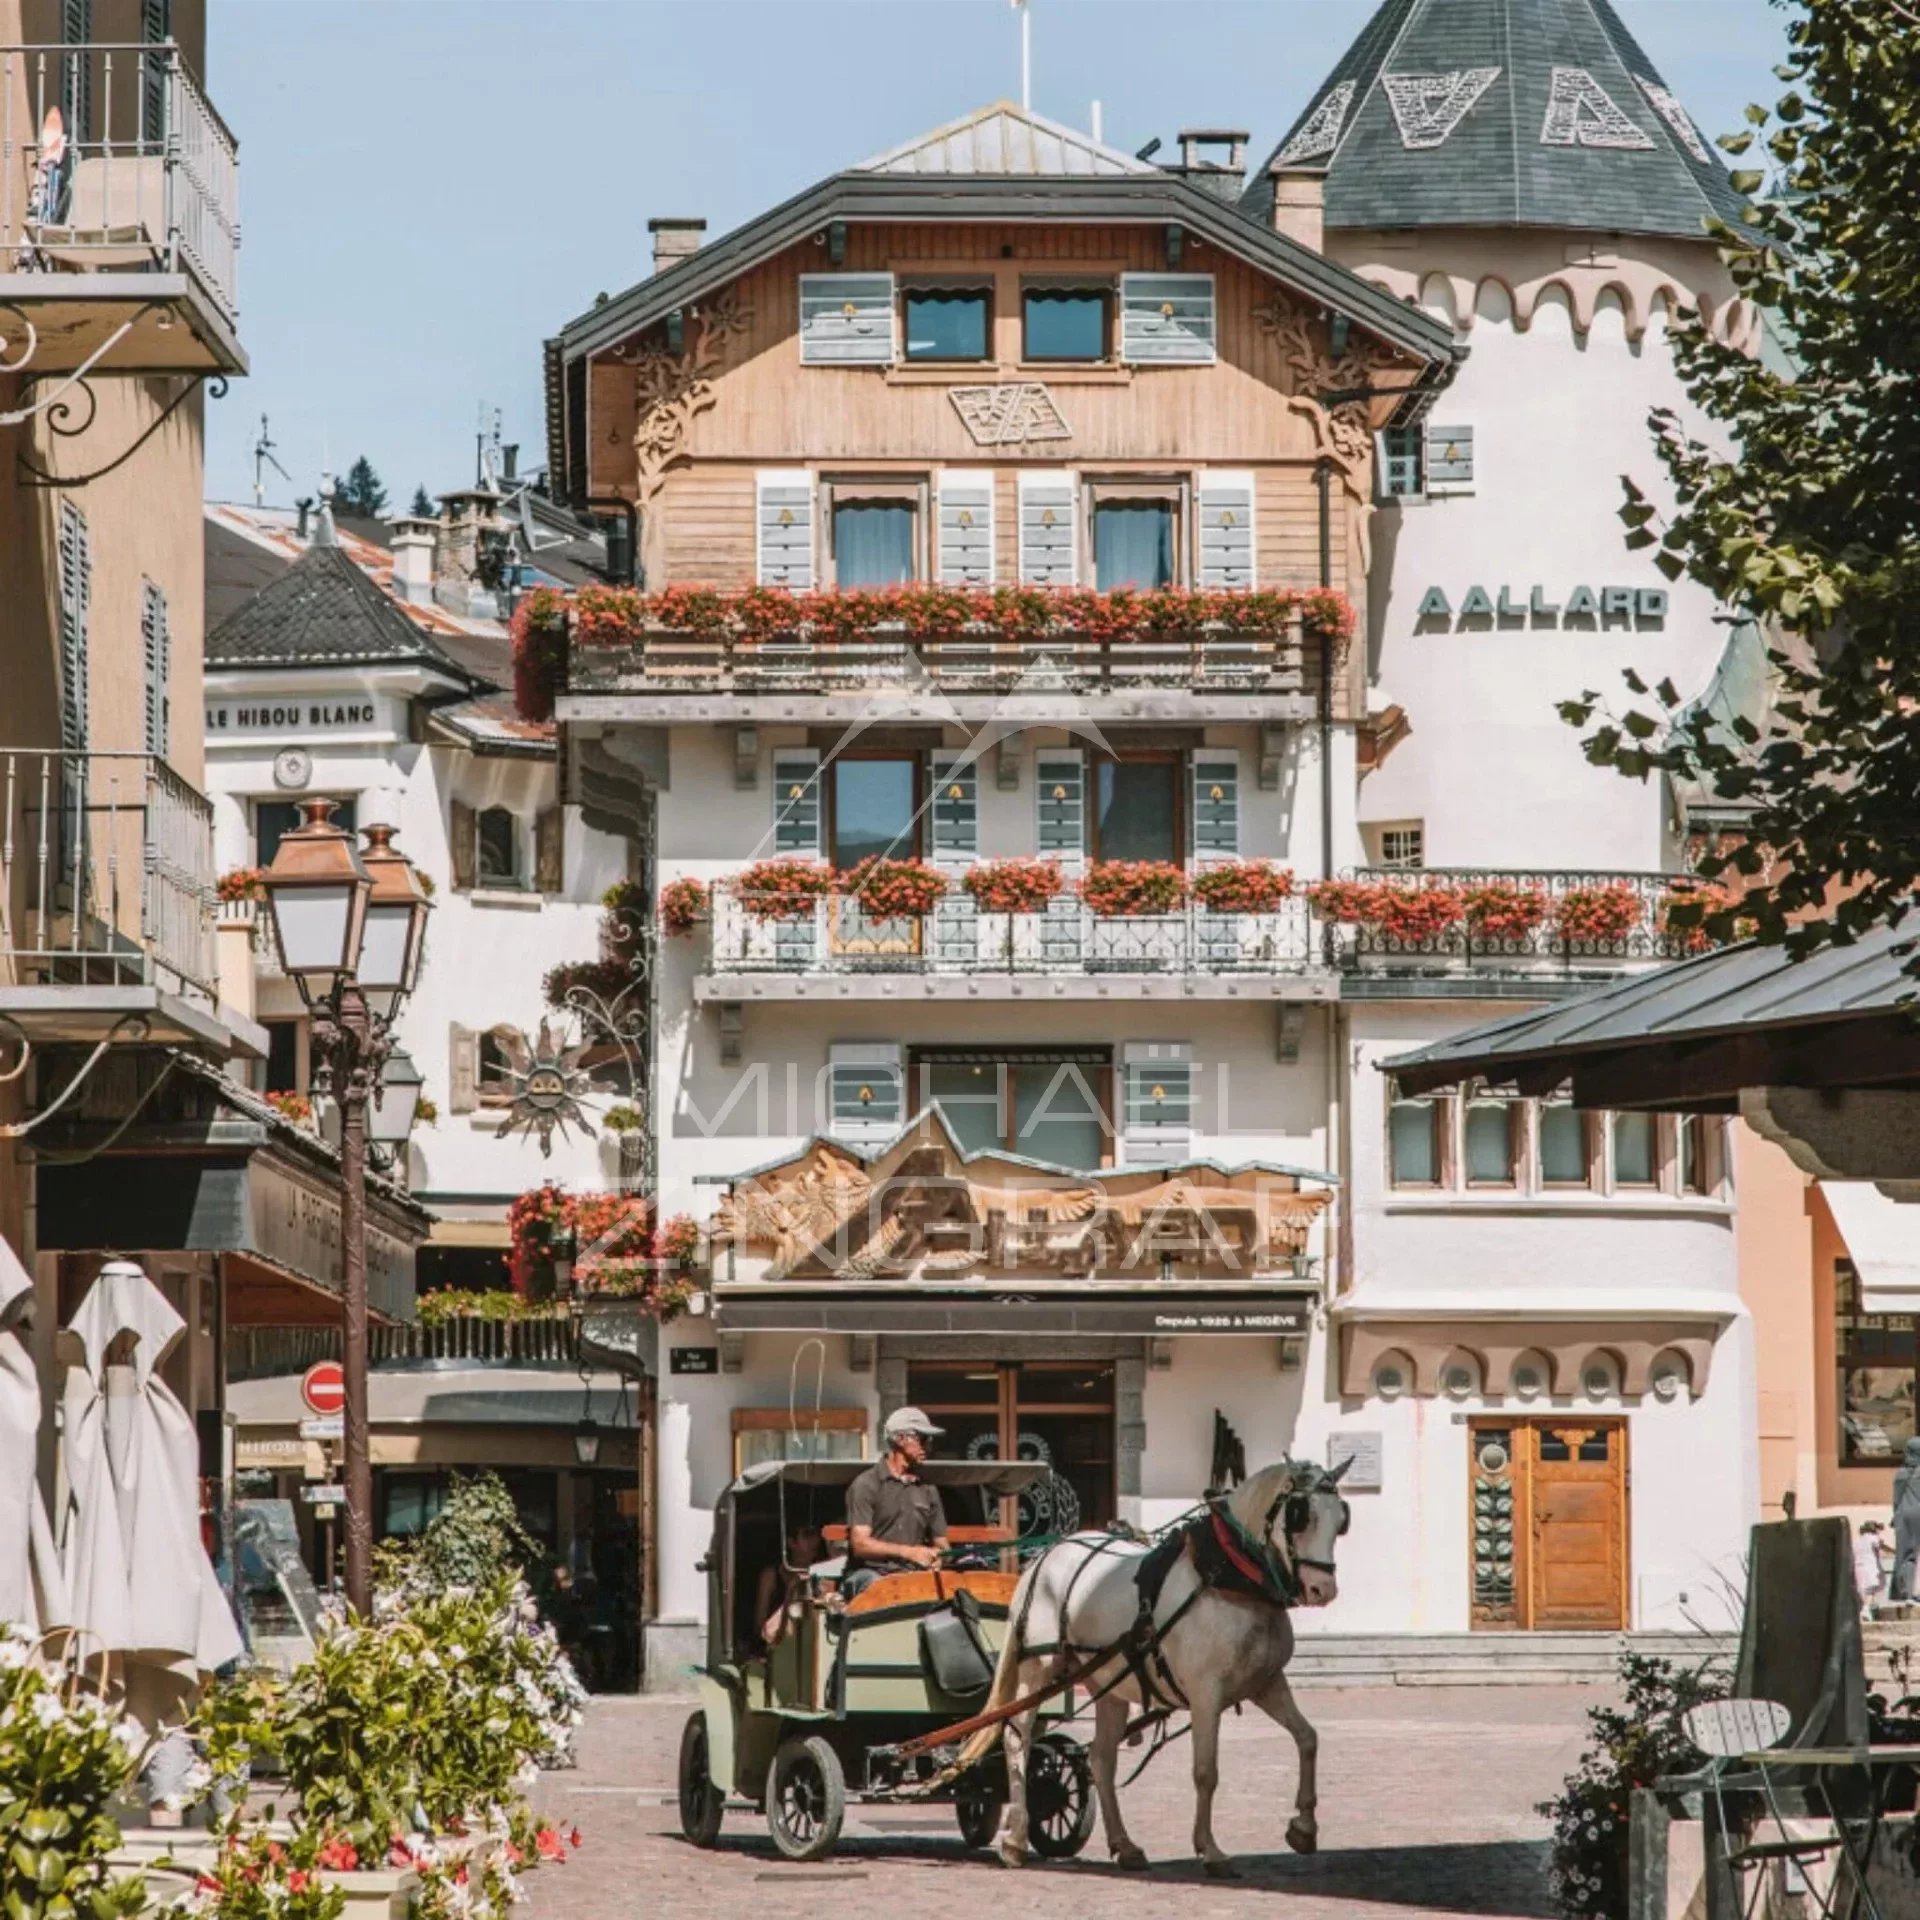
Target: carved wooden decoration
[1345,429]
[924,1210]
[1011,415]
[672,389]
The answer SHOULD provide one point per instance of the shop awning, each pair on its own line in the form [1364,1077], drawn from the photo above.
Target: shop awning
[1145,1315]
[1883,1242]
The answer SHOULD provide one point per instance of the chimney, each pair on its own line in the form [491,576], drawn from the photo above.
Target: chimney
[1211,173]
[300,527]
[413,560]
[673,240]
[1300,205]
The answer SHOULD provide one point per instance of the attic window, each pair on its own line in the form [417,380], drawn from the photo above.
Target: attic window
[1066,323]
[948,323]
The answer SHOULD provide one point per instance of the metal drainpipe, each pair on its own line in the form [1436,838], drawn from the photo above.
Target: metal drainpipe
[1323,483]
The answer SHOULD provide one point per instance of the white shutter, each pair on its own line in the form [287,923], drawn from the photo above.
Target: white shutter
[966,529]
[783,504]
[76,595]
[846,319]
[1214,833]
[1167,319]
[796,801]
[1449,461]
[1157,1080]
[954,781]
[156,642]
[1048,513]
[1226,531]
[865,1091]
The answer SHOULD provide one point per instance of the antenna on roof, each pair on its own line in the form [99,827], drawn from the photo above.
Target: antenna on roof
[1026,54]
[262,460]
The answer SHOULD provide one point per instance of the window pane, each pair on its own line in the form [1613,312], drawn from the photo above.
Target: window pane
[1137,810]
[1692,1130]
[499,838]
[283,1056]
[970,1095]
[1413,1145]
[872,543]
[1056,1115]
[1563,1146]
[946,326]
[1876,1412]
[1132,544]
[872,810]
[1066,324]
[1489,1144]
[1633,1149]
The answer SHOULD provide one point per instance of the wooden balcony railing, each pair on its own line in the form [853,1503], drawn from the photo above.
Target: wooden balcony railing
[259,1353]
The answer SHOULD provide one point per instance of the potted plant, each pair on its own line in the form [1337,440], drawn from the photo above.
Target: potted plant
[678,1242]
[1242,886]
[895,889]
[238,884]
[1128,889]
[294,1107]
[1599,916]
[608,616]
[1349,903]
[606,980]
[789,887]
[1014,886]
[539,652]
[1414,915]
[426,1113]
[683,905]
[1503,909]
[627,1127]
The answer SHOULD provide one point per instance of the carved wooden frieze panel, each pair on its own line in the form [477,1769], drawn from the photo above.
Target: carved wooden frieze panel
[1011,415]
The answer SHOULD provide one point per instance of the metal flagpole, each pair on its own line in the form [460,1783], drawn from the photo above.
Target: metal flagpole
[1026,54]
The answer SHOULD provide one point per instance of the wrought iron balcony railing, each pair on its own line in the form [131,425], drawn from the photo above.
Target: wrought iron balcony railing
[111,160]
[260,1353]
[106,872]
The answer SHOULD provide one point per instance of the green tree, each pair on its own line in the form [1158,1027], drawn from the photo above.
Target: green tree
[1812,524]
[361,491]
[423,507]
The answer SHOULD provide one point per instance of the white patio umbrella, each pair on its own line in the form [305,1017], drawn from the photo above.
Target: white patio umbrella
[138,1578]
[33,1593]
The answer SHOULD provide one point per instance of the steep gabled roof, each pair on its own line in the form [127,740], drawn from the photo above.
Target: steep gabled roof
[1494,113]
[1004,138]
[323,611]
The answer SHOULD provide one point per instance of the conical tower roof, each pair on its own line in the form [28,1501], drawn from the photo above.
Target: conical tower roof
[1498,113]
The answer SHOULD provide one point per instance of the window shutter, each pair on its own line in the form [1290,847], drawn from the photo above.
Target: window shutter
[76,595]
[549,850]
[157,647]
[784,506]
[966,529]
[1396,462]
[1047,519]
[865,1091]
[463,1069]
[1166,319]
[1060,794]
[1226,531]
[1449,462]
[846,319]
[1157,1099]
[1215,813]
[796,801]
[463,835]
[953,780]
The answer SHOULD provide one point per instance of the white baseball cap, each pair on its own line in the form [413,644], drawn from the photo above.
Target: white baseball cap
[909,1420]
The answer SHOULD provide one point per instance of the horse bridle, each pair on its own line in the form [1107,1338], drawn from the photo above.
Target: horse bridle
[1298,1503]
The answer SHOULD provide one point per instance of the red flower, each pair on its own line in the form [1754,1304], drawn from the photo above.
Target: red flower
[1504,909]
[1014,886]
[573,1838]
[206,1883]
[398,1855]
[514,1856]
[339,1854]
[783,889]
[299,1880]
[1243,886]
[682,903]
[1597,915]
[894,889]
[549,1843]
[1116,889]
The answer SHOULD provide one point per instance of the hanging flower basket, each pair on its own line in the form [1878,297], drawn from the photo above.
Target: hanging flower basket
[683,905]
[616,616]
[1350,903]
[606,980]
[1413,915]
[1014,886]
[1243,886]
[539,653]
[1597,916]
[783,889]
[894,889]
[1128,889]
[1504,909]
[678,1241]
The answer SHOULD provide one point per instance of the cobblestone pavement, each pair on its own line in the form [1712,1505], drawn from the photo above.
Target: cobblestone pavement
[1426,1807]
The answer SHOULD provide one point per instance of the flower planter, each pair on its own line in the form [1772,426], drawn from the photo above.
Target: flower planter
[786,889]
[383,1894]
[1504,910]
[894,889]
[1243,886]
[1014,886]
[683,905]
[1596,916]
[1130,889]
[1349,903]
[1416,915]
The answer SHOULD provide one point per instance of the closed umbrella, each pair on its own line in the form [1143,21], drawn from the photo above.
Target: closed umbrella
[32,1592]
[138,1577]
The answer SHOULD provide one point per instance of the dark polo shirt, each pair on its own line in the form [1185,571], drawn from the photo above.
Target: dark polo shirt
[906,1513]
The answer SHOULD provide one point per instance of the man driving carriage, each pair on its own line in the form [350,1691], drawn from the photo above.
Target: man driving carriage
[895,1520]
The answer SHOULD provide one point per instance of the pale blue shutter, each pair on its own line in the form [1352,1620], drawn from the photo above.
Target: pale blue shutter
[866,1091]
[966,530]
[798,823]
[156,642]
[1157,1099]
[1449,462]
[1047,532]
[1396,462]
[846,319]
[783,506]
[953,819]
[1226,531]
[1167,319]
[1213,835]
[1060,799]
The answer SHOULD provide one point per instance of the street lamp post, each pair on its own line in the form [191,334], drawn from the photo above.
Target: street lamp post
[350,928]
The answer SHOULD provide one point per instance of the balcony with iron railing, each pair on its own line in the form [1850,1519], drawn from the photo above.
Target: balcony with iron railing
[106,874]
[119,214]
[463,1340]
[1370,933]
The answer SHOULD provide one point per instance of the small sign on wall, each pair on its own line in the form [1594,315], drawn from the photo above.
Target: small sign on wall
[1364,1450]
[693,1360]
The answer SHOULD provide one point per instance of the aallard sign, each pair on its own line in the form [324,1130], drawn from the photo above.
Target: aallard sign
[1591,608]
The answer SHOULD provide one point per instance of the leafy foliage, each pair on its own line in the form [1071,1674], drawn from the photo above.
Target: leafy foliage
[1631,1746]
[361,492]
[258,1876]
[1812,523]
[421,506]
[476,1539]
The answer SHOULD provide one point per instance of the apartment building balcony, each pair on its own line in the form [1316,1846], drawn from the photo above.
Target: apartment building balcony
[465,1340]
[119,215]
[106,898]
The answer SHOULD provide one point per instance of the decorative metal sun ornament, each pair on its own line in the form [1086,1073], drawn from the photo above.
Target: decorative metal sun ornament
[546,1081]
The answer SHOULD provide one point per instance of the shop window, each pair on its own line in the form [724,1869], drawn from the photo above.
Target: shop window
[497,841]
[1490,1139]
[1066,323]
[1565,1151]
[1635,1162]
[1876,1355]
[1137,809]
[1415,1141]
[273,820]
[948,323]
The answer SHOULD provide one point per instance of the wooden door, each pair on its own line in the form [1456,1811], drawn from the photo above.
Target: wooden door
[1577,1558]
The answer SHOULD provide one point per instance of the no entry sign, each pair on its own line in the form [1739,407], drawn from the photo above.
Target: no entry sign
[324,1387]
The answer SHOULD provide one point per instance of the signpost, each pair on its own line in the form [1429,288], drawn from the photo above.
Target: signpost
[324,1387]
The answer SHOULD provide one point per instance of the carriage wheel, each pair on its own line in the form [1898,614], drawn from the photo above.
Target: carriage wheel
[977,1805]
[702,1804]
[806,1799]
[1060,1805]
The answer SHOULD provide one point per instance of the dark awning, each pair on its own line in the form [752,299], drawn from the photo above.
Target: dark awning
[1148,1315]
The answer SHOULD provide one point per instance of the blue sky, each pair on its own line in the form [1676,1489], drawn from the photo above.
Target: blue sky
[431,187]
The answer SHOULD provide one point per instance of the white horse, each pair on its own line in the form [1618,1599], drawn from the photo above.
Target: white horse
[1218,1644]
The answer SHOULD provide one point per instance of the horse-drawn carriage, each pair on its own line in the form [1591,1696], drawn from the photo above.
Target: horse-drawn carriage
[801,1722]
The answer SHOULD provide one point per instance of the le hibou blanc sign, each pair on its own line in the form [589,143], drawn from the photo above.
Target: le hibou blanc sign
[1589,608]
